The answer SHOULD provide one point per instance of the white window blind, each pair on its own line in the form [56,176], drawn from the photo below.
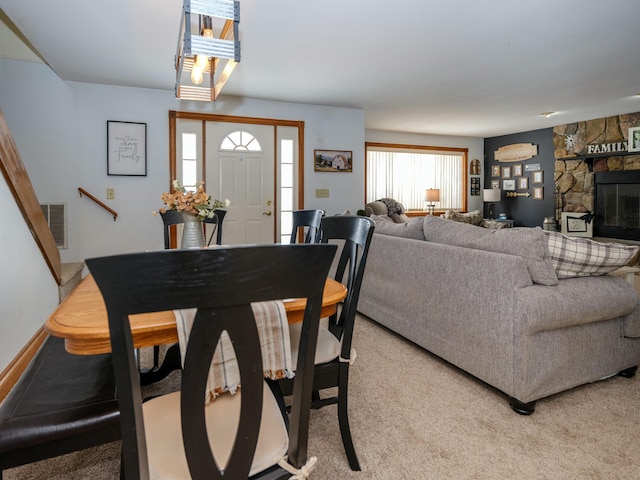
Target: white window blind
[405,174]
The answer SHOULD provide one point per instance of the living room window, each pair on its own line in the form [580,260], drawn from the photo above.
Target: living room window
[404,172]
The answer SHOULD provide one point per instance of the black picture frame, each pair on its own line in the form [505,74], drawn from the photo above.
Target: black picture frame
[475,186]
[126,148]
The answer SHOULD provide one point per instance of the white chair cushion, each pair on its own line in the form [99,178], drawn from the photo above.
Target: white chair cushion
[327,349]
[164,435]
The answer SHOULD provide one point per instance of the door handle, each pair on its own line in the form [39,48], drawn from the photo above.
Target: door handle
[268,214]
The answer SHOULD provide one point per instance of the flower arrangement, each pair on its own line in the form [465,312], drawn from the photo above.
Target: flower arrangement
[196,203]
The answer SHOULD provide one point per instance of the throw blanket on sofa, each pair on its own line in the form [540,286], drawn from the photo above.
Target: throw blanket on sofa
[392,206]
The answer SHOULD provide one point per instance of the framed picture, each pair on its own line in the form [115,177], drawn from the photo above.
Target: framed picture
[538,177]
[495,184]
[517,170]
[538,193]
[506,172]
[531,167]
[332,160]
[634,139]
[523,183]
[575,225]
[495,171]
[508,185]
[475,186]
[126,148]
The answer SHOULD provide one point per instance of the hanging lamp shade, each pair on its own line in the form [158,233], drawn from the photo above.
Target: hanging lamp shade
[208,48]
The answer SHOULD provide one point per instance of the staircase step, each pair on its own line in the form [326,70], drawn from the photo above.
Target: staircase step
[71,274]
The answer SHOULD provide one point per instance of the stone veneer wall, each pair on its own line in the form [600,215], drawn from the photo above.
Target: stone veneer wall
[574,179]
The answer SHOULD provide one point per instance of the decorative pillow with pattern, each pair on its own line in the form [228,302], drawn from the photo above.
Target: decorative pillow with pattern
[582,257]
[474,217]
[393,206]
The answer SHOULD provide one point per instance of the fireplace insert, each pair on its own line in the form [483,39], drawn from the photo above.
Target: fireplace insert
[617,200]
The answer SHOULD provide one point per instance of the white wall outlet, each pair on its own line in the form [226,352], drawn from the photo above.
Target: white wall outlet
[111,193]
[322,193]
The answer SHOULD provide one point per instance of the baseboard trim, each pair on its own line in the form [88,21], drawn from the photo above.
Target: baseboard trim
[14,370]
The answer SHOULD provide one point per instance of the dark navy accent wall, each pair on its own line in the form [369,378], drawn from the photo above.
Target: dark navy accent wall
[525,211]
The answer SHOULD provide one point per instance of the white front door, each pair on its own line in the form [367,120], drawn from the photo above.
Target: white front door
[240,166]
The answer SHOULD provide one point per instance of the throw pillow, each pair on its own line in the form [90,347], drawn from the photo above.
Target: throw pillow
[474,217]
[582,257]
[393,206]
[493,224]
[386,226]
[528,243]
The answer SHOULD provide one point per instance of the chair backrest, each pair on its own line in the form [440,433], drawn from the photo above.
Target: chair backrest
[356,233]
[216,220]
[174,217]
[310,221]
[170,217]
[220,284]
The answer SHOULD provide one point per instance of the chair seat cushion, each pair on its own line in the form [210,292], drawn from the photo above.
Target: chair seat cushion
[327,349]
[164,434]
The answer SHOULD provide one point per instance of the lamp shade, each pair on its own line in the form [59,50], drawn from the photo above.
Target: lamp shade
[432,195]
[491,194]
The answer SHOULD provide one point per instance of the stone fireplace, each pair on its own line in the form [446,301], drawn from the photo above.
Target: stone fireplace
[595,173]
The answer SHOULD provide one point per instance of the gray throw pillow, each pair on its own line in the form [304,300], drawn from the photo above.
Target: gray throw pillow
[411,229]
[528,243]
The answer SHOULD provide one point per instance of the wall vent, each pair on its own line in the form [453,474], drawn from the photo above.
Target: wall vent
[56,216]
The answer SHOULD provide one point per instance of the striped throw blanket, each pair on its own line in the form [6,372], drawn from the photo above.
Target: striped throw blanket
[273,330]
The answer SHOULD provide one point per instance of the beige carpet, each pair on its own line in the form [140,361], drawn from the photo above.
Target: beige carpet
[416,417]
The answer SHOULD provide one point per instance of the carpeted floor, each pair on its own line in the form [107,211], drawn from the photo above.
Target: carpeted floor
[414,416]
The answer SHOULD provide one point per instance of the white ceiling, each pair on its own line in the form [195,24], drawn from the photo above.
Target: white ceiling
[458,67]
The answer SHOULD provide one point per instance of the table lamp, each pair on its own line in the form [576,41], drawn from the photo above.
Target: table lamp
[432,195]
[490,196]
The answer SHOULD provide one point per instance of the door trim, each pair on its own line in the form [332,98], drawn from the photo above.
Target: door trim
[212,117]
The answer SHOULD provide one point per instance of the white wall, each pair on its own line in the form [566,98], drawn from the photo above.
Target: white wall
[28,292]
[60,130]
[474,144]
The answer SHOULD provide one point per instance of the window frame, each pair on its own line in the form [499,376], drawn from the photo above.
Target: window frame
[464,152]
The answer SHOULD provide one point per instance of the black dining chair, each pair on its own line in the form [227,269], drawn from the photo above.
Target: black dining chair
[309,222]
[169,218]
[174,217]
[334,353]
[235,436]
[216,221]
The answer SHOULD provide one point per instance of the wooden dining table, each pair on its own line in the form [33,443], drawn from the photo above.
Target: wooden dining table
[81,319]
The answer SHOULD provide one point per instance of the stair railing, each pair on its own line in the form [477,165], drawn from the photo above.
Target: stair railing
[88,195]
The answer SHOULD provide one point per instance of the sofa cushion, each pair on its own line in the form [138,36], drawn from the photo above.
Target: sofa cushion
[380,207]
[528,243]
[474,217]
[386,226]
[375,208]
[582,257]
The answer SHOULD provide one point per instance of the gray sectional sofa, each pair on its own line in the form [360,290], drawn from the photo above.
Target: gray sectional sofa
[503,317]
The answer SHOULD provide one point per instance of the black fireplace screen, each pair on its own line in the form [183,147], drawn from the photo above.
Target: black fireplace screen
[617,206]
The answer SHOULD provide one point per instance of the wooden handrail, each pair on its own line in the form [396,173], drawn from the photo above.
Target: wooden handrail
[25,197]
[110,210]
